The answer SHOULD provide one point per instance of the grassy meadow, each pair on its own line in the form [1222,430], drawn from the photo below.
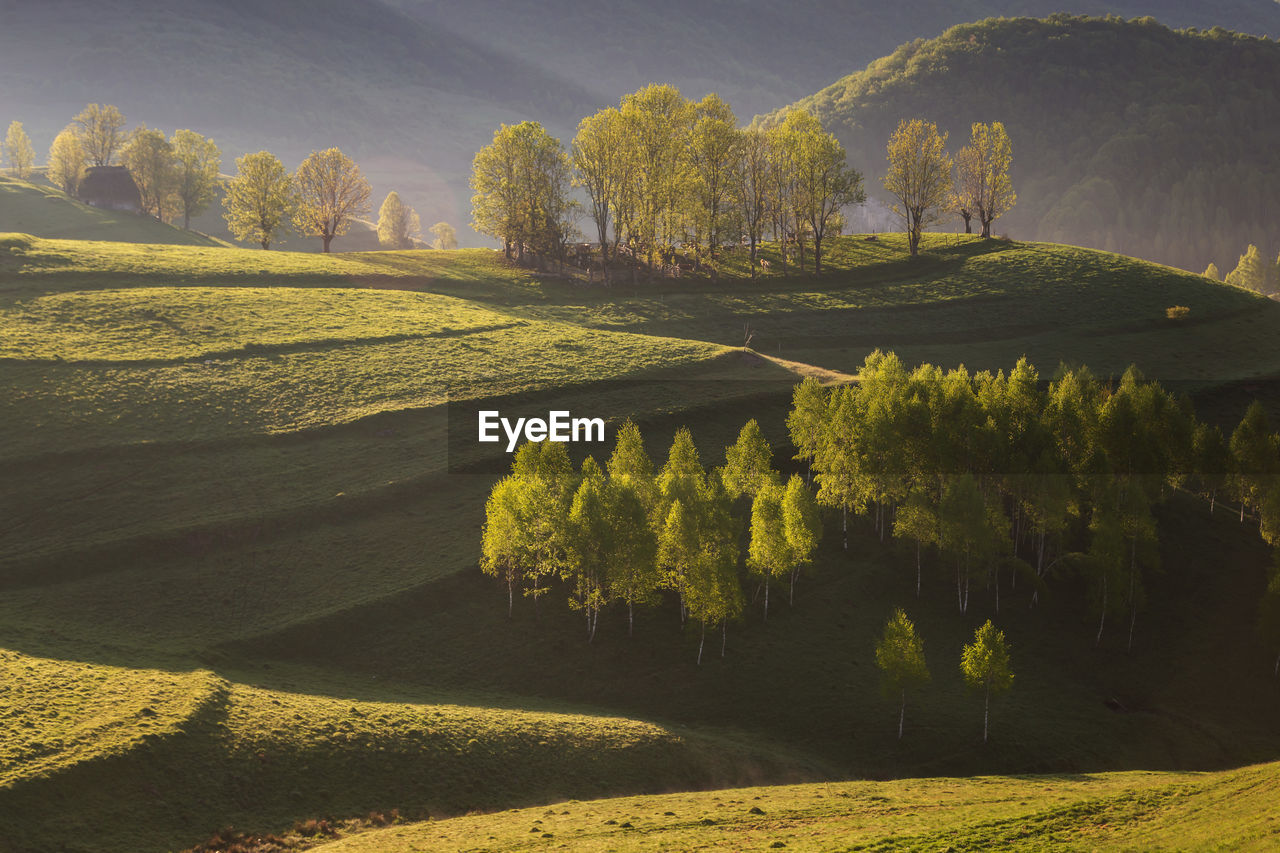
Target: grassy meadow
[238,560]
[1136,810]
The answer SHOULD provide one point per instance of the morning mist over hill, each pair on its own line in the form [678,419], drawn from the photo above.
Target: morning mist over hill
[413,88]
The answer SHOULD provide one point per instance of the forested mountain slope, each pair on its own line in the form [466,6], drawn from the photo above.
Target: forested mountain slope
[1127,136]
[413,88]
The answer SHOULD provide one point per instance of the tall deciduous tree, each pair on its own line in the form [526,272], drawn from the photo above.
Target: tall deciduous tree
[1255,454]
[769,553]
[752,181]
[521,183]
[658,122]
[149,158]
[919,176]
[18,152]
[900,656]
[713,154]
[801,524]
[590,545]
[102,133]
[806,419]
[630,465]
[824,182]
[712,591]
[198,162]
[501,540]
[446,237]
[66,161]
[259,199]
[983,188]
[548,484]
[966,193]
[601,168]
[398,223]
[985,666]
[331,192]
[632,570]
[748,462]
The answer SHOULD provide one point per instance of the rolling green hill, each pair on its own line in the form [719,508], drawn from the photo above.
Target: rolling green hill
[1231,810]
[42,211]
[240,531]
[1127,136]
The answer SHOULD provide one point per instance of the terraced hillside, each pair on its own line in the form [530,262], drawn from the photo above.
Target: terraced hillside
[238,492]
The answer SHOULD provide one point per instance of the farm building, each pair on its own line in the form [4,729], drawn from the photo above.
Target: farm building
[111,188]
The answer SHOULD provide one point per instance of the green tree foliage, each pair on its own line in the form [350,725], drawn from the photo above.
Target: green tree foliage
[589,545]
[992,469]
[259,199]
[600,165]
[1255,458]
[824,182]
[919,176]
[900,656]
[503,553]
[630,465]
[331,191]
[917,518]
[548,485]
[712,591]
[713,158]
[658,123]
[806,420]
[198,163]
[1252,272]
[994,156]
[521,183]
[633,563]
[752,182]
[66,161]
[770,553]
[398,223]
[982,186]
[984,663]
[149,159]
[18,152]
[446,237]
[748,462]
[801,524]
[1211,271]
[101,131]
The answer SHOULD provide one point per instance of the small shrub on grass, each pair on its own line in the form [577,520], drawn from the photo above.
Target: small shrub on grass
[1176,312]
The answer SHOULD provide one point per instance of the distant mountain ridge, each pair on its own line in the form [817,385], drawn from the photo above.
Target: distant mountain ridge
[1127,136]
[412,88]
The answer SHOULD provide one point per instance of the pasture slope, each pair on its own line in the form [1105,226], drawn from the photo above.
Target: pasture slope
[36,207]
[1233,810]
[238,550]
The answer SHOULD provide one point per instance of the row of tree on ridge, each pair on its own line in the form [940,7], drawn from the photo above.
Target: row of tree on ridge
[179,178]
[664,175]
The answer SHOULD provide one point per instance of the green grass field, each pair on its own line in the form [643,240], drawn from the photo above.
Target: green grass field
[1138,811]
[238,550]
[35,207]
